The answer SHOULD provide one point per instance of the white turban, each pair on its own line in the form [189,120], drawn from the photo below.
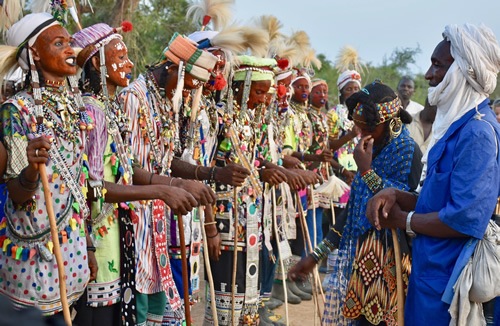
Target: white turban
[469,80]
[477,54]
[26,31]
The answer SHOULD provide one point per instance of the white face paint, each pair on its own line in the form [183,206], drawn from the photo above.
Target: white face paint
[115,68]
[120,46]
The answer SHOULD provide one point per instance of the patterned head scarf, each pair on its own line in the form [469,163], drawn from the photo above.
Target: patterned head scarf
[91,39]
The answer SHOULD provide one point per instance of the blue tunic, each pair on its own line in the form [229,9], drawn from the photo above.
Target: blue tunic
[462,184]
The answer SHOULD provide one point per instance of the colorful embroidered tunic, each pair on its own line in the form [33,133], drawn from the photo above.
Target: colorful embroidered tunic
[152,143]
[28,269]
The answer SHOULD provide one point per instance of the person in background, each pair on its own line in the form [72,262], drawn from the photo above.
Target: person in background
[496,108]
[406,89]
[421,126]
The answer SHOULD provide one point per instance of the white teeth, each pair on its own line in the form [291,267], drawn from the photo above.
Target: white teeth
[70,61]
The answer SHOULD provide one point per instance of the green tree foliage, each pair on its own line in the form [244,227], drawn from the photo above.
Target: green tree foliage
[155,21]
[390,72]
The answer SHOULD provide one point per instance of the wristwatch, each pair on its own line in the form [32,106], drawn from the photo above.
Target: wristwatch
[409,231]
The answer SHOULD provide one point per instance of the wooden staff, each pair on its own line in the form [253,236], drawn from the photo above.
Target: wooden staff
[280,258]
[307,238]
[399,278]
[209,271]
[187,308]
[235,253]
[55,239]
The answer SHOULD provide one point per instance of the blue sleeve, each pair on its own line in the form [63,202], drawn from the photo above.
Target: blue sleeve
[475,180]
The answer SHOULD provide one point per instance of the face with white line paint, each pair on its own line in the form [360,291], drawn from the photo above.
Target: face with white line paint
[118,65]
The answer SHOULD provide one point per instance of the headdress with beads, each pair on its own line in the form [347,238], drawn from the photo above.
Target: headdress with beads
[386,110]
[95,37]
[260,68]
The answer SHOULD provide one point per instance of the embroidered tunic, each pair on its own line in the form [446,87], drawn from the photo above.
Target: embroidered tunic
[28,270]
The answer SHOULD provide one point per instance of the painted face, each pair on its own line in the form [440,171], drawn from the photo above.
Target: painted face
[406,88]
[191,83]
[54,55]
[285,82]
[349,89]
[301,90]
[214,83]
[441,61]
[378,133]
[258,92]
[118,64]
[319,95]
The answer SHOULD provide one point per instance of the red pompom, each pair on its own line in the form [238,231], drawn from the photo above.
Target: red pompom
[220,83]
[283,63]
[127,26]
[281,91]
[206,20]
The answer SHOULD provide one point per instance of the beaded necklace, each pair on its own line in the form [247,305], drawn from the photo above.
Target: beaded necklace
[58,103]
[302,126]
[160,110]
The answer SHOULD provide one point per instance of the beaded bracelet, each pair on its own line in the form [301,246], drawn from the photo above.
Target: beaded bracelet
[322,250]
[210,223]
[372,180]
[91,248]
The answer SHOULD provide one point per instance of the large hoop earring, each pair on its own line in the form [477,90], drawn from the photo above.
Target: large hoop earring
[395,127]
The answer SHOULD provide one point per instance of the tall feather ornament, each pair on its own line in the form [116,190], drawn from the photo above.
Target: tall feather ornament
[257,40]
[232,38]
[10,12]
[219,12]
[309,60]
[8,63]
[348,59]
[283,49]
[272,25]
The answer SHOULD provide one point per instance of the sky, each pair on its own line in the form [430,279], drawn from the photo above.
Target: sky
[374,28]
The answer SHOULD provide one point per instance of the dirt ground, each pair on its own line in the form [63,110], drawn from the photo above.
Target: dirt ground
[299,314]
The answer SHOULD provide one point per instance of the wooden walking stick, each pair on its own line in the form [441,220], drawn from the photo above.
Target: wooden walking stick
[208,267]
[187,307]
[235,253]
[399,278]
[280,258]
[303,223]
[55,239]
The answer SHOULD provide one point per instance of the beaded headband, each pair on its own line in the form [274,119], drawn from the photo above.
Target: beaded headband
[261,68]
[387,111]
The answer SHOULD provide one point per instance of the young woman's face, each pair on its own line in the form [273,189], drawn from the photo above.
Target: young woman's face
[301,90]
[319,95]
[349,89]
[378,133]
